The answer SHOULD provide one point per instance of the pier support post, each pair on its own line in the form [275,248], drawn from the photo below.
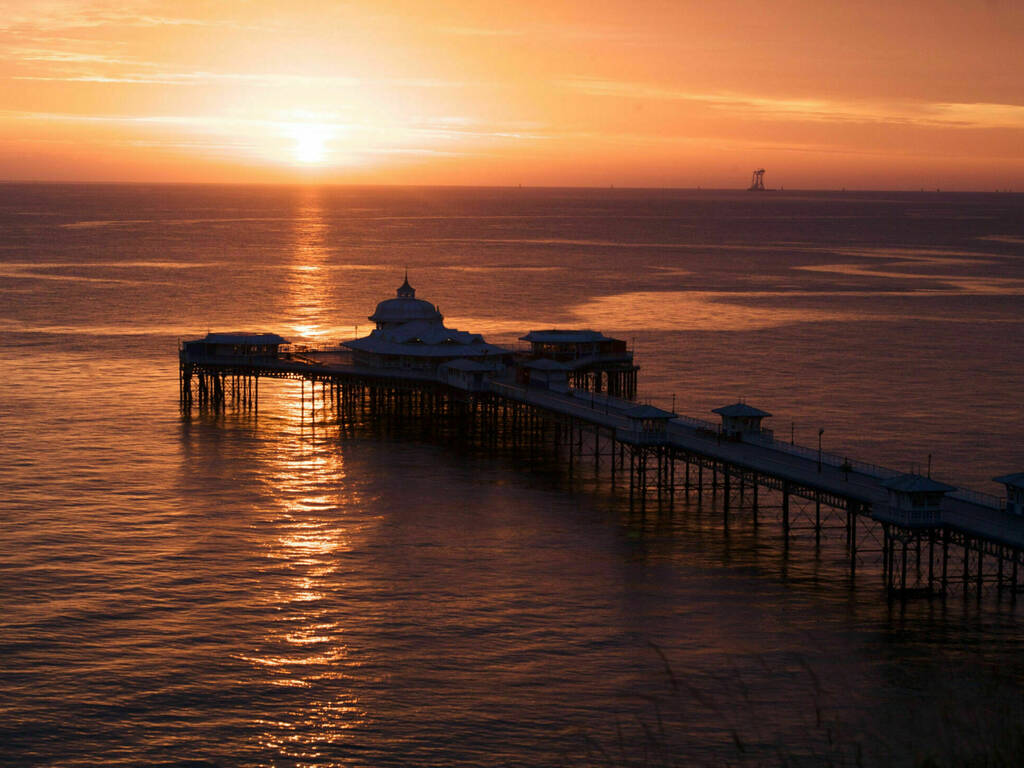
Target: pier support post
[886,544]
[931,560]
[726,486]
[754,506]
[903,567]
[672,479]
[817,522]
[785,510]
[852,508]
[967,565]
[981,572]
[945,560]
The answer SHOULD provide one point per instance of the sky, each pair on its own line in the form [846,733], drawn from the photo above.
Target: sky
[862,94]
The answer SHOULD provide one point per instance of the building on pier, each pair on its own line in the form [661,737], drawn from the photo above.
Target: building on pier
[916,500]
[740,421]
[468,375]
[236,346]
[411,335]
[595,362]
[544,373]
[1014,492]
[647,425]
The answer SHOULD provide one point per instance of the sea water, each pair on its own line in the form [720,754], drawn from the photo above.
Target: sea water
[266,589]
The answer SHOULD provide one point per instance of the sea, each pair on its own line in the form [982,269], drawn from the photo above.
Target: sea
[185,588]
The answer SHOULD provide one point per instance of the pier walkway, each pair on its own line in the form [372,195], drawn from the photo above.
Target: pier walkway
[986,541]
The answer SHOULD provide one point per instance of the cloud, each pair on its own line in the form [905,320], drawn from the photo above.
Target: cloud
[550,32]
[483,31]
[197,78]
[50,16]
[60,57]
[221,131]
[926,114]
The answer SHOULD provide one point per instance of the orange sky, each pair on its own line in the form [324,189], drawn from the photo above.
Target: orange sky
[858,94]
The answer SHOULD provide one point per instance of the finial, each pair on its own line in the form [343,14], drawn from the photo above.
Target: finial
[406,291]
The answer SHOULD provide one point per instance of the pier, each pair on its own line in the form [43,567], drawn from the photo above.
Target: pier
[575,404]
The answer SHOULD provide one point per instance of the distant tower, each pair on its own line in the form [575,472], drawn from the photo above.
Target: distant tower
[757,181]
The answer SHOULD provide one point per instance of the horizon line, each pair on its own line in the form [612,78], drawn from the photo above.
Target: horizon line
[639,188]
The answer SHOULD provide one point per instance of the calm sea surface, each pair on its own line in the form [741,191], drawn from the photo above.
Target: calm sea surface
[189,589]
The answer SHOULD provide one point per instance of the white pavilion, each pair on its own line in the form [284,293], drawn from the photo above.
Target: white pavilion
[411,335]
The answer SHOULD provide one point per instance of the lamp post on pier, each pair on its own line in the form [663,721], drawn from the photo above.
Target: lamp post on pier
[821,432]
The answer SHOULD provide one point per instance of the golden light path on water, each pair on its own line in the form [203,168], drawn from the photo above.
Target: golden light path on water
[309,275]
[304,537]
[306,533]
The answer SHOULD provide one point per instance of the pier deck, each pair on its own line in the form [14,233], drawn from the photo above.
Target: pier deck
[971,521]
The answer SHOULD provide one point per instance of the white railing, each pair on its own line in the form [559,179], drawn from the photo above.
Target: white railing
[827,459]
[977,497]
[690,421]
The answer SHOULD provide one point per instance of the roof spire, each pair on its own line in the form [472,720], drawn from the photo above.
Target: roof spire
[406,291]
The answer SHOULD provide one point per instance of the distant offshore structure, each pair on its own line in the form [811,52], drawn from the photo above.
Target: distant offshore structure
[757,182]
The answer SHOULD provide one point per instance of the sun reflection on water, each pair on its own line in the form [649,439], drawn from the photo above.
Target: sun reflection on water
[308,275]
[304,539]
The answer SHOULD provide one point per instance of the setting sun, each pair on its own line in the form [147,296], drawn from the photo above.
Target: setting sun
[310,143]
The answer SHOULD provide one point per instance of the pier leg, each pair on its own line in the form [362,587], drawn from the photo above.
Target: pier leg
[817,523]
[632,475]
[885,555]
[572,443]
[611,440]
[999,577]
[967,566]
[642,461]
[945,560]
[981,573]
[754,507]
[785,511]
[931,560]
[903,568]
[672,479]
[727,489]
[851,512]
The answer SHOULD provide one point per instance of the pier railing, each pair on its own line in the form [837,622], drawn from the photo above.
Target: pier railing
[597,407]
[979,498]
[767,439]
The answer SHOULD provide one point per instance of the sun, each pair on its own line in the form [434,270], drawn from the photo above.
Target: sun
[310,142]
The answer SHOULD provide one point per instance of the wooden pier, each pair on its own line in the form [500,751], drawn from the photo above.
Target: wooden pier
[953,541]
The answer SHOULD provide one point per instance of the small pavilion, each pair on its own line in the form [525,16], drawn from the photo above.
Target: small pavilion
[237,344]
[916,500]
[740,420]
[546,373]
[1014,492]
[648,424]
[594,362]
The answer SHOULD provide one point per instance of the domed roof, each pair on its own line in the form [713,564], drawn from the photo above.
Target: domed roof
[405,308]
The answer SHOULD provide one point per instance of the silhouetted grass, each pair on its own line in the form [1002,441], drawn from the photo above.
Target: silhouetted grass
[957,722]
